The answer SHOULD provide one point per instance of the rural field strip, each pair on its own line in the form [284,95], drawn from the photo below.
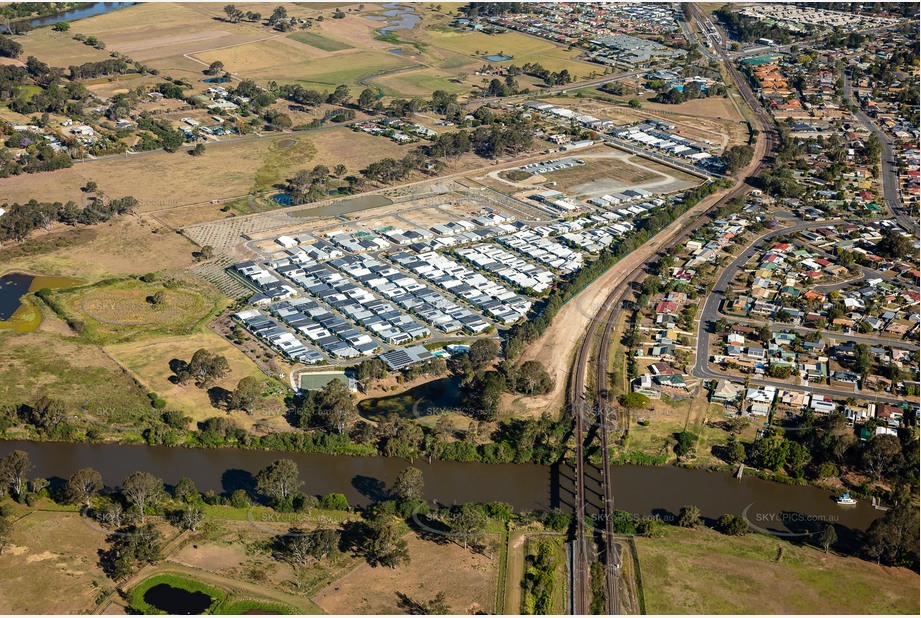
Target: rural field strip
[191,55]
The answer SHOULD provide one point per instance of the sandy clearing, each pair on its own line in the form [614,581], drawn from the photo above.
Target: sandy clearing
[470,588]
[210,557]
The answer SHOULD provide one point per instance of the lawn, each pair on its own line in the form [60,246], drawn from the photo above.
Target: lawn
[319,41]
[59,49]
[703,572]
[149,362]
[421,82]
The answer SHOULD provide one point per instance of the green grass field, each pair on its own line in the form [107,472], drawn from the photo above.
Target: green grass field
[421,82]
[319,41]
[522,48]
[117,310]
[704,572]
[269,60]
[79,375]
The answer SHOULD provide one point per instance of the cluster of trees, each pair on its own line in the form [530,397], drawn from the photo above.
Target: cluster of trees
[540,578]
[8,47]
[310,186]
[47,415]
[780,182]
[21,220]
[502,88]
[737,157]
[112,66]
[482,389]
[39,156]
[91,40]
[475,9]
[304,96]
[551,78]
[691,91]
[24,10]
[235,15]
[332,408]
[820,448]
[374,369]
[893,244]
[203,368]
[164,135]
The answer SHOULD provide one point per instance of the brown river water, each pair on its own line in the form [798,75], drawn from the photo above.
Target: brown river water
[639,490]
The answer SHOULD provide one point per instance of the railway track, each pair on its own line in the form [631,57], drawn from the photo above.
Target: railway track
[602,412]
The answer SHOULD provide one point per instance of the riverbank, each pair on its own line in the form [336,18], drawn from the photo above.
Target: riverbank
[643,491]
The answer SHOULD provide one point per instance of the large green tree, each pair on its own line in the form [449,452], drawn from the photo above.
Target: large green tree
[279,480]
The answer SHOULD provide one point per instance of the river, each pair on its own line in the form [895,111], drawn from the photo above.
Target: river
[639,490]
[95,8]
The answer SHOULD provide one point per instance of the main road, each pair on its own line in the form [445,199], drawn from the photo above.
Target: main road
[888,169]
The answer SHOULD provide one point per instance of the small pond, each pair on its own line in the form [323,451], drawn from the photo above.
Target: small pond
[428,398]
[24,316]
[399,17]
[341,207]
[497,57]
[174,600]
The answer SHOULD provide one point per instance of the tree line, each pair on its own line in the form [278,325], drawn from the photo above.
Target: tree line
[21,220]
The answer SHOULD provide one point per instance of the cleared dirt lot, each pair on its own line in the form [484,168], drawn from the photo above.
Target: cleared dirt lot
[470,589]
[51,552]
